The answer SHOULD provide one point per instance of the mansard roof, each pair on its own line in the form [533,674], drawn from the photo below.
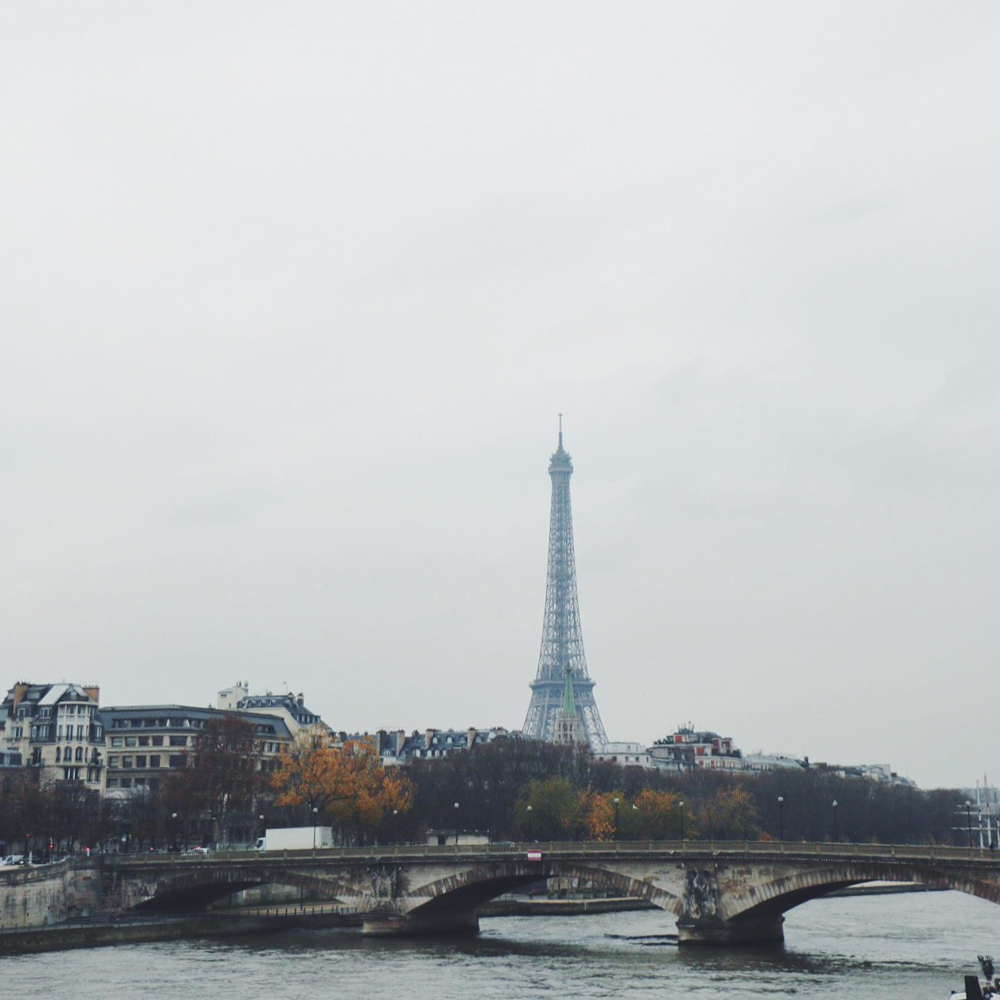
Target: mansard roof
[119,717]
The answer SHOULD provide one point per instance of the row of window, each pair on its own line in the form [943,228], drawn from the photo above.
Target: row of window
[152,783]
[69,732]
[75,773]
[142,761]
[145,741]
[158,723]
[45,711]
[63,733]
[67,754]
[174,723]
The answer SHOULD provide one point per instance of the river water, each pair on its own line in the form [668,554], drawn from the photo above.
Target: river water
[912,945]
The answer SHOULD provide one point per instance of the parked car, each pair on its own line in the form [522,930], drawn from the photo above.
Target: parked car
[12,859]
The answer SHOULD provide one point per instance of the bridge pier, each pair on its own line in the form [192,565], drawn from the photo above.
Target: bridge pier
[414,924]
[716,931]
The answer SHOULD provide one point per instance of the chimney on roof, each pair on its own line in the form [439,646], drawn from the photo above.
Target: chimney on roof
[93,692]
[429,736]
[400,741]
[300,699]
[472,736]
[20,690]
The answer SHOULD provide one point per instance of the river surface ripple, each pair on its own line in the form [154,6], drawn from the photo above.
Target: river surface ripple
[895,947]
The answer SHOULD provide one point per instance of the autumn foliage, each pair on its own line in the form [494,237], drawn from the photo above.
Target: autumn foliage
[343,785]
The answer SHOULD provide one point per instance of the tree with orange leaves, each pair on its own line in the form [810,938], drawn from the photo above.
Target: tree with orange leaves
[599,815]
[346,784]
[610,815]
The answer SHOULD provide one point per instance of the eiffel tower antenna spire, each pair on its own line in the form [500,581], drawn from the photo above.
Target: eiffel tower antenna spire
[562,658]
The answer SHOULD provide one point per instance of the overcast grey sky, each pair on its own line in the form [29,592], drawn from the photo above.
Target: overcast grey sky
[291,294]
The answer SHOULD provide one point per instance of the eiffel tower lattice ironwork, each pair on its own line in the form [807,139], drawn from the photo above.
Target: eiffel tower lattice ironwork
[562,640]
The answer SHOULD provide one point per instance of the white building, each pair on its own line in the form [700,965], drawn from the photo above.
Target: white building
[624,754]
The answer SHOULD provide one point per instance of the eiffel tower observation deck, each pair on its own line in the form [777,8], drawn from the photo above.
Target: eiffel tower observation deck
[562,641]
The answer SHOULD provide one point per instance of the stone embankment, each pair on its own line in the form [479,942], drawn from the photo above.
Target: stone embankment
[42,895]
[92,933]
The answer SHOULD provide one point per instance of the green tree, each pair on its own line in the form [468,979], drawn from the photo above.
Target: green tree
[730,814]
[549,809]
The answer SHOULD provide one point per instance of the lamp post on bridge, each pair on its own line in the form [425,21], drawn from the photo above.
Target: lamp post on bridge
[528,823]
[616,800]
[836,831]
[781,817]
[681,807]
[456,824]
[315,818]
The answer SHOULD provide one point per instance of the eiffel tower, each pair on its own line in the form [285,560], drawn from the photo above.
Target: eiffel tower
[562,655]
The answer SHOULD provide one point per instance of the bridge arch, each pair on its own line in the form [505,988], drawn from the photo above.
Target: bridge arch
[200,887]
[781,893]
[474,886]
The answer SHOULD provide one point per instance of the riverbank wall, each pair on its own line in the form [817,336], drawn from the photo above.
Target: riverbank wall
[94,934]
[39,896]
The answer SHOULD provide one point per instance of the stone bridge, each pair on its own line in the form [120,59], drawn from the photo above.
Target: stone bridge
[719,893]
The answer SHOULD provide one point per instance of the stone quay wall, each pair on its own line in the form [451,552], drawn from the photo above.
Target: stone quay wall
[47,894]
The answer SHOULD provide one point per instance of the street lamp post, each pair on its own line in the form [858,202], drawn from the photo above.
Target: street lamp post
[781,817]
[456,824]
[616,800]
[968,817]
[315,819]
[681,805]
[528,823]
[836,831]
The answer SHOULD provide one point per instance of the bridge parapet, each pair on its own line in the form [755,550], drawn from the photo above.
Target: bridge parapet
[586,849]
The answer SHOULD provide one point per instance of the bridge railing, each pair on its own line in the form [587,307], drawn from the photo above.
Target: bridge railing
[694,849]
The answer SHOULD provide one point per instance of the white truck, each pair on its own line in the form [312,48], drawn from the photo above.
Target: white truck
[296,838]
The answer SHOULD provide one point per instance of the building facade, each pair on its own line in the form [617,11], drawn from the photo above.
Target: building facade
[146,743]
[57,729]
[624,754]
[396,747]
[688,749]
[287,706]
